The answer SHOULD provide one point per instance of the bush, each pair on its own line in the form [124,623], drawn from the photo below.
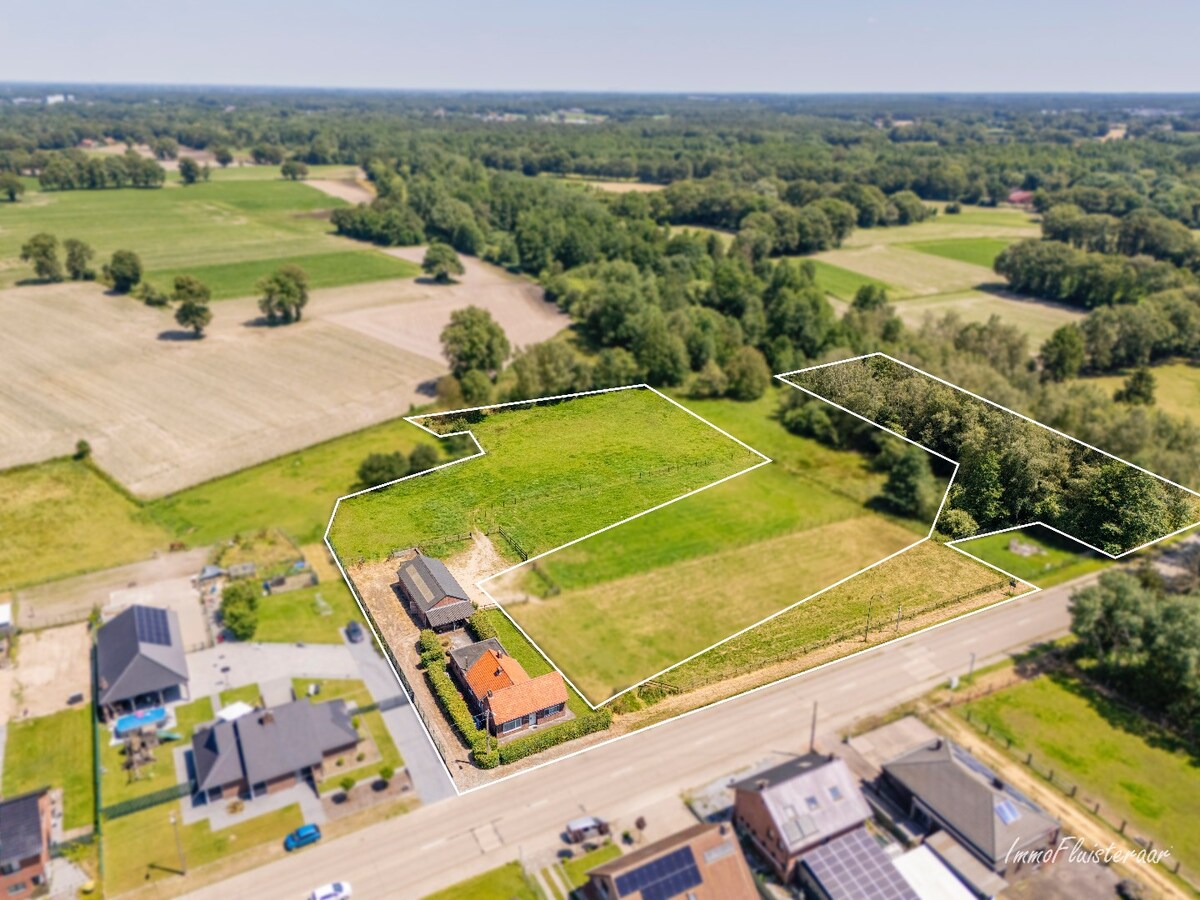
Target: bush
[151,295]
[239,609]
[386,774]
[82,449]
[953,208]
[430,648]
[481,627]
[551,737]
[347,783]
[380,468]
[423,457]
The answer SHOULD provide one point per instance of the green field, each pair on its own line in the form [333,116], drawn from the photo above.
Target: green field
[1134,771]
[979,251]
[843,283]
[61,518]
[199,228]
[297,616]
[54,751]
[1176,388]
[505,883]
[1056,559]
[324,270]
[551,473]
[140,849]
[1037,318]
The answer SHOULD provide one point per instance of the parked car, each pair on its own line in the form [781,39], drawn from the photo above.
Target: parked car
[586,828]
[339,890]
[302,837]
[354,632]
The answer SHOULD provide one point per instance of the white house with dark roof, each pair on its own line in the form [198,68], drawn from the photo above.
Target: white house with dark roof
[434,598]
[791,808]
[140,660]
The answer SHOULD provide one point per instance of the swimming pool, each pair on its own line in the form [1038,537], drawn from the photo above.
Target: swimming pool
[141,719]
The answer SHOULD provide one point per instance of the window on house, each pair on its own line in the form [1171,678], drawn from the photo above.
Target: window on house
[9,868]
[17,888]
[812,803]
[835,793]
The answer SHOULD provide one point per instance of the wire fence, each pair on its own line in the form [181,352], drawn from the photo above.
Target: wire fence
[1055,777]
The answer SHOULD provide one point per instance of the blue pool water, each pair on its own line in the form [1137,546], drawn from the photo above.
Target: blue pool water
[141,719]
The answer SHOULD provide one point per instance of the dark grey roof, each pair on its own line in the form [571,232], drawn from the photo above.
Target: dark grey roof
[853,866]
[20,827]
[140,651]
[809,798]
[465,657]
[426,582]
[970,798]
[215,754]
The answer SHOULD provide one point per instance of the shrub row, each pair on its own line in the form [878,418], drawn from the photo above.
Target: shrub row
[559,734]
[481,627]
[430,647]
[460,714]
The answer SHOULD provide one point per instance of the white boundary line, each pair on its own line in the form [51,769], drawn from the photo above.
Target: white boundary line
[415,420]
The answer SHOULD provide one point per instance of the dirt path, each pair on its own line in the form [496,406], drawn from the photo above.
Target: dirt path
[349,189]
[480,560]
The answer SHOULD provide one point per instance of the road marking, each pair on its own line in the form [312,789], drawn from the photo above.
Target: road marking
[433,844]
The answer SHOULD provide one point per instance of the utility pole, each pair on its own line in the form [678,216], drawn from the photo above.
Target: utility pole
[812,735]
[179,845]
[899,610]
[971,670]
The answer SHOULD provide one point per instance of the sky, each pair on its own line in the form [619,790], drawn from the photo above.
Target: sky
[729,46]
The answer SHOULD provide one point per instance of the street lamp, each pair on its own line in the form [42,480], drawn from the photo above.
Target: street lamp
[179,844]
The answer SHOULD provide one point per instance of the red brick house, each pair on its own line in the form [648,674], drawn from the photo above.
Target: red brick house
[500,690]
[25,824]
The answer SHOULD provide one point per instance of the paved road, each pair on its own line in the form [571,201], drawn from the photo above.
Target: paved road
[644,773]
[429,776]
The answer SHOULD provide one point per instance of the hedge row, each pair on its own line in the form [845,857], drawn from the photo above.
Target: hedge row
[430,647]
[481,627]
[558,734]
[460,714]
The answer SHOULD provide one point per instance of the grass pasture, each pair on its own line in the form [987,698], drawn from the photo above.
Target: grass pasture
[1036,554]
[551,473]
[1037,318]
[1176,388]
[56,751]
[844,283]
[978,251]
[1134,771]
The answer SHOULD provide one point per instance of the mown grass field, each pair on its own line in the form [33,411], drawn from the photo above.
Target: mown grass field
[927,577]
[56,751]
[139,849]
[62,518]
[979,251]
[1134,771]
[527,655]
[324,270]
[297,615]
[1056,561]
[550,474]
[504,883]
[1176,388]
[843,283]
[1037,318]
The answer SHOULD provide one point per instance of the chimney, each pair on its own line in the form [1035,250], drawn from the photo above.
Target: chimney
[267,718]
[761,784]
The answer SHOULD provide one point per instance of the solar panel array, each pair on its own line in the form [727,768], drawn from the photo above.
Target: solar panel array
[667,876]
[855,866]
[152,626]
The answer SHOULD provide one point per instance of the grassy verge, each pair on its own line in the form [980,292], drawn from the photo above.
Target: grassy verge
[62,518]
[1133,770]
[139,849]
[247,693]
[298,615]
[1046,560]
[53,751]
[577,867]
[324,270]
[505,883]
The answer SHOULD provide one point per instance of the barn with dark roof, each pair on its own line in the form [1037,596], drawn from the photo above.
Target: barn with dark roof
[433,596]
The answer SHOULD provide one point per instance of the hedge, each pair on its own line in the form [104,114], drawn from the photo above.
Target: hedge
[559,734]
[481,627]
[430,647]
[460,714]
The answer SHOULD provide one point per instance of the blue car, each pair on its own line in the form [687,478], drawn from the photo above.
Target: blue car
[302,837]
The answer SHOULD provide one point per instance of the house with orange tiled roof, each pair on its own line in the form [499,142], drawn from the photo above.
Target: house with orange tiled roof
[500,691]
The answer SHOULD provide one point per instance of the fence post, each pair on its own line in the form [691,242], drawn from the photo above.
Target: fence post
[1121,830]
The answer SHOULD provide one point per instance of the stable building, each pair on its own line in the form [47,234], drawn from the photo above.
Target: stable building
[432,595]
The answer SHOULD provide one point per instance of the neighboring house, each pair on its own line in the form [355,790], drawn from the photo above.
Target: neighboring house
[25,824]
[703,862]
[941,786]
[851,867]
[271,749]
[1021,198]
[140,660]
[500,690]
[434,598]
[796,806]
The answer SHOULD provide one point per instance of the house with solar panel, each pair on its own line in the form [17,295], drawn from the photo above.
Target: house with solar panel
[974,818]
[703,862]
[140,661]
[433,597]
[795,807]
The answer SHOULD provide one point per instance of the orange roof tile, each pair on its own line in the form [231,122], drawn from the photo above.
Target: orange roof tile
[494,672]
[527,697]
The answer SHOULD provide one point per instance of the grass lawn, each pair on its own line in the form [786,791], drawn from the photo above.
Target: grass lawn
[62,518]
[927,577]
[240,279]
[295,492]
[577,867]
[1176,388]
[53,751]
[374,725]
[140,848]
[247,693]
[979,251]
[1057,560]
[527,655]
[190,715]
[1134,772]
[296,615]
[181,228]
[505,883]
[551,473]
[986,215]
[843,283]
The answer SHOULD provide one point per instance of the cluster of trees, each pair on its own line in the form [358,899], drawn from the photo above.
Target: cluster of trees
[239,609]
[1142,232]
[284,295]
[1052,270]
[1145,642]
[41,251]
[1011,471]
[380,468]
[69,170]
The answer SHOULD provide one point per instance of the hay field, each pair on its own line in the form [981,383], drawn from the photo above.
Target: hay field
[1037,318]
[911,272]
[1176,388]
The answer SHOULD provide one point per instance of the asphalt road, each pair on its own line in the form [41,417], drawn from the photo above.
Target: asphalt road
[645,773]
